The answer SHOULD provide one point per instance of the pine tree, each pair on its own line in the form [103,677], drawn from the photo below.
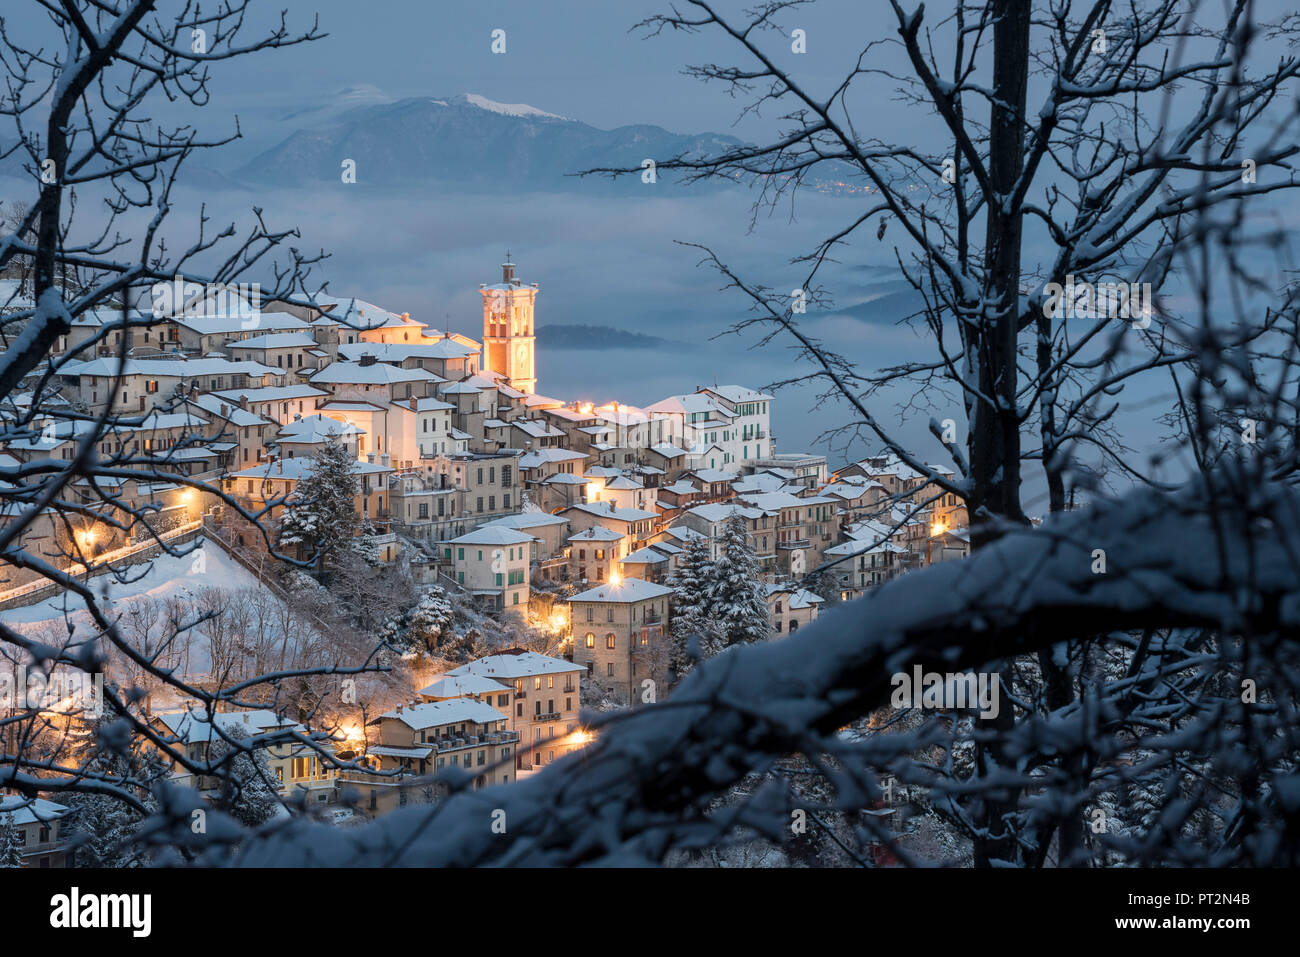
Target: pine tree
[364,545]
[717,603]
[102,827]
[320,516]
[248,793]
[689,580]
[737,596]
[426,629]
[11,852]
[431,618]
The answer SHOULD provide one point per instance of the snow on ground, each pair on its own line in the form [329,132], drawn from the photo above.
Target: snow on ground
[161,577]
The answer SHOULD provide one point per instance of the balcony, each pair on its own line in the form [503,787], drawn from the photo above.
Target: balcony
[546,716]
[795,543]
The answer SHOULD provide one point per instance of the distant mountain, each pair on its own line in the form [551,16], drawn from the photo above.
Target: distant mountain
[576,336]
[467,141]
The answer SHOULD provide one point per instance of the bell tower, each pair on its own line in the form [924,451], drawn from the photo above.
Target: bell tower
[508,340]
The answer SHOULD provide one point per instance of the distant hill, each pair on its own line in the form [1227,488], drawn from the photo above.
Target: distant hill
[468,141]
[578,336]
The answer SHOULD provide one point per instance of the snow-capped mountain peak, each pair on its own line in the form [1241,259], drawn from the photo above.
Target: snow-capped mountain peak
[508,109]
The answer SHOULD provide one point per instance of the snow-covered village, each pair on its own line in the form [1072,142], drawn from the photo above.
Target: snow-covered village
[341,484]
[707,436]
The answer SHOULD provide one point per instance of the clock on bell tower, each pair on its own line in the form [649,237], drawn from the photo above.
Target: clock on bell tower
[508,340]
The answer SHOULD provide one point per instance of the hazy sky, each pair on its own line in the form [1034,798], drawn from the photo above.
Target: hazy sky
[599,259]
[572,57]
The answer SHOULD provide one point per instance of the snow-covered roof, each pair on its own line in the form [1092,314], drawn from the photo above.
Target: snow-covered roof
[271,393]
[798,597]
[865,546]
[276,340]
[714,475]
[537,429]
[462,388]
[607,510]
[536,400]
[212,402]
[531,460]
[316,428]
[721,512]
[163,368]
[667,450]
[392,751]
[194,727]
[360,314]
[296,469]
[225,325]
[378,373]
[427,404]
[401,351]
[451,711]
[513,667]
[644,556]
[454,686]
[16,809]
[597,533]
[684,533]
[628,590]
[740,393]
[351,405]
[492,535]
[528,520]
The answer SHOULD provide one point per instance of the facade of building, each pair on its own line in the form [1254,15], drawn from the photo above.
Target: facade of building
[619,636]
[541,705]
[39,829]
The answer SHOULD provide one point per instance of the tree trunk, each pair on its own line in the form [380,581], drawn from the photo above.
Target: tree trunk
[995,432]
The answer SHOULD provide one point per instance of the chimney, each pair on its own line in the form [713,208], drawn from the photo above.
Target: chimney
[367,360]
[225,410]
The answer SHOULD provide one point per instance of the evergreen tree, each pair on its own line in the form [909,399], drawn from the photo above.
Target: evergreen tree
[248,792]
[426,629]
[364,545]
[431,618]
[320,516]
[719,603]
[689,581]
[737,598]
[11,852]
[103,827]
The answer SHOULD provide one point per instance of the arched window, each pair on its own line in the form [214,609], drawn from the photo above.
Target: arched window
[591,640]
[609,640]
